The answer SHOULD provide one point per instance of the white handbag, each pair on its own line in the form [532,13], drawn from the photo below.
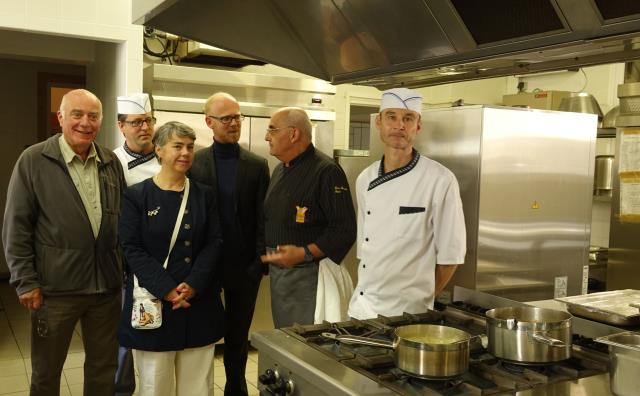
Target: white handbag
[146,312]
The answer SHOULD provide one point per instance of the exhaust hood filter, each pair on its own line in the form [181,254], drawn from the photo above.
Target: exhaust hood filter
[498,20]
[613,9]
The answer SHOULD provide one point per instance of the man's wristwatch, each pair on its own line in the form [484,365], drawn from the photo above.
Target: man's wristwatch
[308,257]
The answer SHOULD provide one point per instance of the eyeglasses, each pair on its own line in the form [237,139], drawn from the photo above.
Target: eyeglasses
[227,119]
[138,123]
[271,131]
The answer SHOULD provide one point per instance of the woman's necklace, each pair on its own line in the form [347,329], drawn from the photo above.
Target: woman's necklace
[168,186]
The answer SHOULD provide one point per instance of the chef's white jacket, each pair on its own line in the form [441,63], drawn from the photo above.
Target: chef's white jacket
[409,220]
[139,170]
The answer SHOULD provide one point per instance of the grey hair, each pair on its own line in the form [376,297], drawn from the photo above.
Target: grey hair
[298,118]
[171,128]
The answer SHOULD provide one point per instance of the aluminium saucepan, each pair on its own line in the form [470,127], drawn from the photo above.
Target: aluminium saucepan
[422,350]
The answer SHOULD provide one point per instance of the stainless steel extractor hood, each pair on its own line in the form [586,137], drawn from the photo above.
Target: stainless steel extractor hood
[413,43]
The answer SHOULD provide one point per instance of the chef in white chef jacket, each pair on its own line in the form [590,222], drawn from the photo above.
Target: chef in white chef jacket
[411,232]
[138,159]
[136,122]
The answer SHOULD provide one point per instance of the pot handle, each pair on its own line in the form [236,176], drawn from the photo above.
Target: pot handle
[545,339]
[484,341]
[349,339]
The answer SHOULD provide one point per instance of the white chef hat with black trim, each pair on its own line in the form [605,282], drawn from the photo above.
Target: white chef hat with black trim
[134,104]
[401,98]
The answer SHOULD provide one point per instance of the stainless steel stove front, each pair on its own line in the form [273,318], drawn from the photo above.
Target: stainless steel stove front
[300,370]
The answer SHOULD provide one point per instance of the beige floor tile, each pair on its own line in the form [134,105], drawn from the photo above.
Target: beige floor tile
[218,392]
[76,344]
[253,391]
[74,376]
[8,342]
[252,366]
[74,360]
[76,390]
[11,367]
[65,391]
[20,325]
[27,365]
[25,349]
[10,352]
[251,377]
[17,313]
[24,393]
[14,383]
[219,381]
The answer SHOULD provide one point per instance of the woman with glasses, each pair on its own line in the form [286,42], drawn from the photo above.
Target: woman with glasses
[177,357]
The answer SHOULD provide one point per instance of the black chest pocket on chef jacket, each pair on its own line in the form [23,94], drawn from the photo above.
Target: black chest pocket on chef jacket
[411,222]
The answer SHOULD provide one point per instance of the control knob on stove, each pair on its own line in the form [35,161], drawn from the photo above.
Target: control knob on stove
[282,387]
[269,377]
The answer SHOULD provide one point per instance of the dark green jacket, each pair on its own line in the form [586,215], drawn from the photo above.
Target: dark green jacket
[47,236]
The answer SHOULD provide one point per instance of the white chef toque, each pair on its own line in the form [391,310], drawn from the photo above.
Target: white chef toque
[401,98]
[134,104]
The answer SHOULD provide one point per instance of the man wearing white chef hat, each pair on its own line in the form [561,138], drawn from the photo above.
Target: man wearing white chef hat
[138,159]
[411,232]
[136,122]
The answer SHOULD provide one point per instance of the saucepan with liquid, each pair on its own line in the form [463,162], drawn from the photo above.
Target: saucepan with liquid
[422,350]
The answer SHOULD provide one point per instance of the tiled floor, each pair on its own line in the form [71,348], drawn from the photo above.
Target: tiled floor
[15,349]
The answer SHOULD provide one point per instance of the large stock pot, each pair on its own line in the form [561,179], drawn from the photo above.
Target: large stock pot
[529,334]
[421,350]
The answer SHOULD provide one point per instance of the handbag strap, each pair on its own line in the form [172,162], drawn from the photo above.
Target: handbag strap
[176,227]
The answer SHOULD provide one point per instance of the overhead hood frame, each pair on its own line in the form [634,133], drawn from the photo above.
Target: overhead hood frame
[410,43]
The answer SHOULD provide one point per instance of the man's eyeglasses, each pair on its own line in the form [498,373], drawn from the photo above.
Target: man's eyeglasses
[138,123]
[227,119]
[271,131]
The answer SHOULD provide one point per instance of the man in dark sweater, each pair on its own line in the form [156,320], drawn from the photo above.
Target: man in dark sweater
[240,179]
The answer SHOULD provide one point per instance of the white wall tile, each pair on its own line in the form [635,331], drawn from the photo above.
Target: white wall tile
[12,20]
[13,7]
[44,8]
[114,12]
[80,10]
[44,24]
[77,28]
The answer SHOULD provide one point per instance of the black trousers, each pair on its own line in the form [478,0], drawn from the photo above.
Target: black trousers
[51,330]
[239,301]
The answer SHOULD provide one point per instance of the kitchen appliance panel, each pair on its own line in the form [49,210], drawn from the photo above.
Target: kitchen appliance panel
[526,179]
[204,135]
[535,202]
[317,365]
[452,137]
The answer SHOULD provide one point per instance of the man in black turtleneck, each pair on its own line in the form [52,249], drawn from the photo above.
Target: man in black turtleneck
[240,179]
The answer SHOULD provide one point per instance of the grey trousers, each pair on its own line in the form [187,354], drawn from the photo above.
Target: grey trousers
[293,294]
[51,330]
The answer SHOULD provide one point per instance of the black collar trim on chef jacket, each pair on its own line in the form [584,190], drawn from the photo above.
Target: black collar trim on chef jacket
[139,158]
[385,177]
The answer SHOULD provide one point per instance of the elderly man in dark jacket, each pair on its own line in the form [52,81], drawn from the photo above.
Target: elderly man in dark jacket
[60,242]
